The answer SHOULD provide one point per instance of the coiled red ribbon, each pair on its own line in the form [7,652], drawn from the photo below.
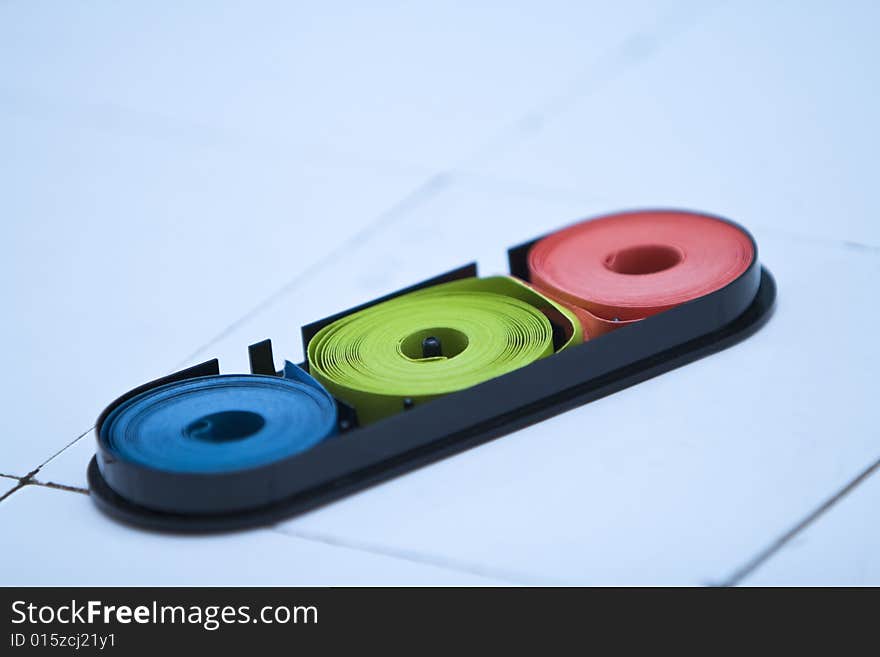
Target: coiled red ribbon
[620,268]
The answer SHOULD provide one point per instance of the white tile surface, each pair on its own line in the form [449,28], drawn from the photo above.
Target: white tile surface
[766,111]
[416,82]
[841,548]
[56,537]
[453,133]
[127,253]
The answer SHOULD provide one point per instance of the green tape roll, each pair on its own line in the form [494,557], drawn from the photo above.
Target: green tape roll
[487,327]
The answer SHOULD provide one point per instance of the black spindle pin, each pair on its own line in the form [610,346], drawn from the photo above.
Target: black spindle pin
[431,347]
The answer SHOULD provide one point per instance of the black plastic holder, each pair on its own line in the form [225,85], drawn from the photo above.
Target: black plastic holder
[362,456]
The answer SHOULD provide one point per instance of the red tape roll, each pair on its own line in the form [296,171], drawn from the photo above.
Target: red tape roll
[620,268]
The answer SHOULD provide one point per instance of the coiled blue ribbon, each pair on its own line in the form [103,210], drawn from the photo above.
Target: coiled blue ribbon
[222,423]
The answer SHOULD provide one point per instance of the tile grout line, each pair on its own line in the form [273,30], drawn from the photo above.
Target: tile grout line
[516,579]
[24,483]
[18,486]
[53,485]
[771,550]
[28,479]
[806,238]
[77,439]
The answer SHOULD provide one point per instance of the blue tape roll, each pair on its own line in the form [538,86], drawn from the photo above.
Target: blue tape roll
[222,423]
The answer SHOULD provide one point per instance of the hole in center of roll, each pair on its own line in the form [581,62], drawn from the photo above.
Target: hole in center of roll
[225,426]
[643,259]
[451,343]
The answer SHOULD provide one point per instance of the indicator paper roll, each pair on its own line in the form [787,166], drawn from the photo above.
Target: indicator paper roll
[620,268]
[376,361]
[223,423]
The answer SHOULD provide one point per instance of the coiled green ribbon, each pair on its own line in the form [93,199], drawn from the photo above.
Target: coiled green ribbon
[374,359]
